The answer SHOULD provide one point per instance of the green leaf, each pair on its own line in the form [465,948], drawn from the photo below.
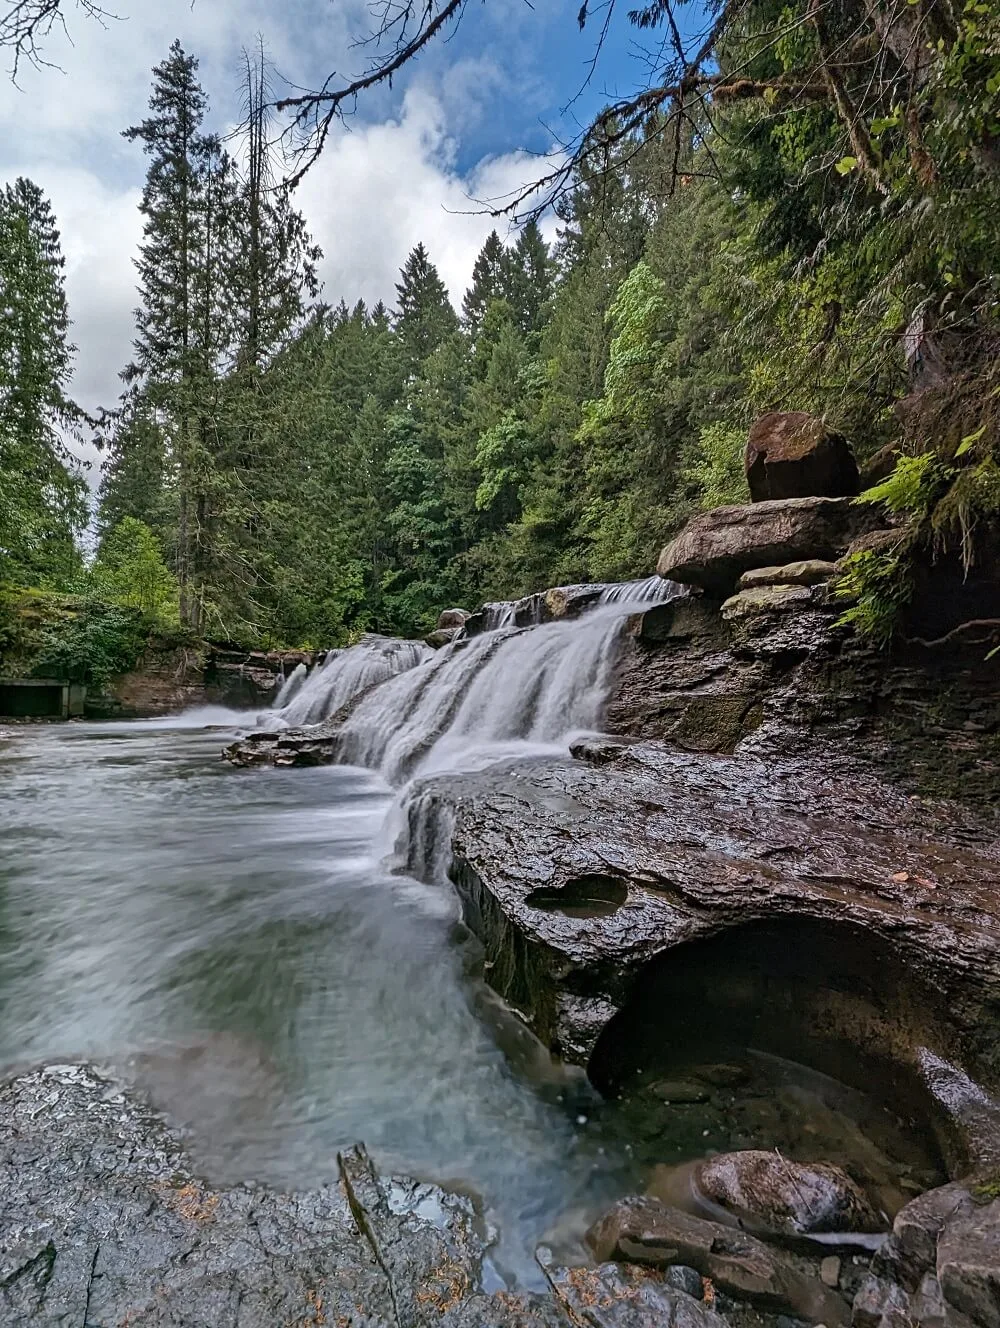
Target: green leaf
[845,165]
[969,441]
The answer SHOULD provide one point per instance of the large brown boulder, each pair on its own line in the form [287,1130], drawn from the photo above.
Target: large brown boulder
[764,1189]
[716,548]
[792,454]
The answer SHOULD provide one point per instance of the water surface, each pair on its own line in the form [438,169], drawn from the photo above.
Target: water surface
[230,939]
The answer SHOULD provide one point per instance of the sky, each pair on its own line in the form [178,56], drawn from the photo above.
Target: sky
[462,124]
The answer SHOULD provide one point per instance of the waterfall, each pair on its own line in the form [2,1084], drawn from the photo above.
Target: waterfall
[507,692]
[290,686]
[500,614]
[650,590]
[342,676]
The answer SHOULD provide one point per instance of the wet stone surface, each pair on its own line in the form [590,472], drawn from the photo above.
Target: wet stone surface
[103,1222]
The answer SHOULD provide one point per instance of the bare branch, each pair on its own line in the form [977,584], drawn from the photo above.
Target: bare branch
[25,25]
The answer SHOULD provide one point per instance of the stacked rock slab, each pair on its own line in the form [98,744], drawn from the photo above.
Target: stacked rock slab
[715,549]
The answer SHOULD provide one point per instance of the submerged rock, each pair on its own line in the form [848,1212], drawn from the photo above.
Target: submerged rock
[792,454]
[792,1198]
[717,547]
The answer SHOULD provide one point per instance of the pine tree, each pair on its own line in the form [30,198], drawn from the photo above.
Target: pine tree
[490,281]
[42,502]
[424,315]
[175,346]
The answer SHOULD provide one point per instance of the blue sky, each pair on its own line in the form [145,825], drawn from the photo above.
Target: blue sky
[452,127]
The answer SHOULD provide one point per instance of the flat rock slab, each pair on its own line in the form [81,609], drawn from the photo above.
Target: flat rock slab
[577,876]
[103,1222]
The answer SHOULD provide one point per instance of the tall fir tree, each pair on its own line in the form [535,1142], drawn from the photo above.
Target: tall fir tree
[42,495]
[174,361]
[424,315]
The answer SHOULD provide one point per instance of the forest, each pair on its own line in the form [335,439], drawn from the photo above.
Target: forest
[811,224]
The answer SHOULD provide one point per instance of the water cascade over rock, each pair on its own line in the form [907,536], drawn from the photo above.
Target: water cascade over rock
[342,676]
[513,690]
[490,697]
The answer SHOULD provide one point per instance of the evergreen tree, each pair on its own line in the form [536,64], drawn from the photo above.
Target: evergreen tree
[530,273]
[175,350]
[424,315]
[42,496]
[490,281]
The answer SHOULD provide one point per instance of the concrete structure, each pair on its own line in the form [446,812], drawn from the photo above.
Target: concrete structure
[41,698]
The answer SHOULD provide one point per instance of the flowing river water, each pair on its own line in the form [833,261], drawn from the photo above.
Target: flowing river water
[236,942]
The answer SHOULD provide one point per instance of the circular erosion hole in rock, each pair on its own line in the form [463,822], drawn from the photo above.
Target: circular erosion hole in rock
[594,895]
[792,1034]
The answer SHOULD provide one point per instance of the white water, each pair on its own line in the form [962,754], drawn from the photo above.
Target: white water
[290,686]
[513,691]
[342,676]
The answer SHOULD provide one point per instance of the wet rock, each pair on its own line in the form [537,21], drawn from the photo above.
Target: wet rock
[717,547]
[319,744]
[648,1232]
[968,1262]
[684,1279]
[809,572]
[679,1091]
[765,599]
[571,601]
[619,1296]
[792,1198]
[452,620]
[598,751]
[442,636]
[103,1221]
[776,899]
[941,1265]
[829,1271]
[791,454]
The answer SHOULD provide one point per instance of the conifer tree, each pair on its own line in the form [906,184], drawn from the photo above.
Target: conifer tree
[175,331]
[42,503]
[490,281]
[424,315]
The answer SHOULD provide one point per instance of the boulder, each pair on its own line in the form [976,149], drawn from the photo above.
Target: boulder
[791,454]
[717,547]
[765,1190]
[441,636]
[808,572]
[646,1231]
[452,619]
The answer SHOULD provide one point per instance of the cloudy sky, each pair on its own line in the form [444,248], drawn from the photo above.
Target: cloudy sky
[461,124]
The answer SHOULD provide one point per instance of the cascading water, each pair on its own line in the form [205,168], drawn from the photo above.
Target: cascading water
[506,692]
[343,675]
[290,686]
[650,590]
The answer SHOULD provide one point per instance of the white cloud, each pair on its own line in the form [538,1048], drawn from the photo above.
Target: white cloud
[378,189]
